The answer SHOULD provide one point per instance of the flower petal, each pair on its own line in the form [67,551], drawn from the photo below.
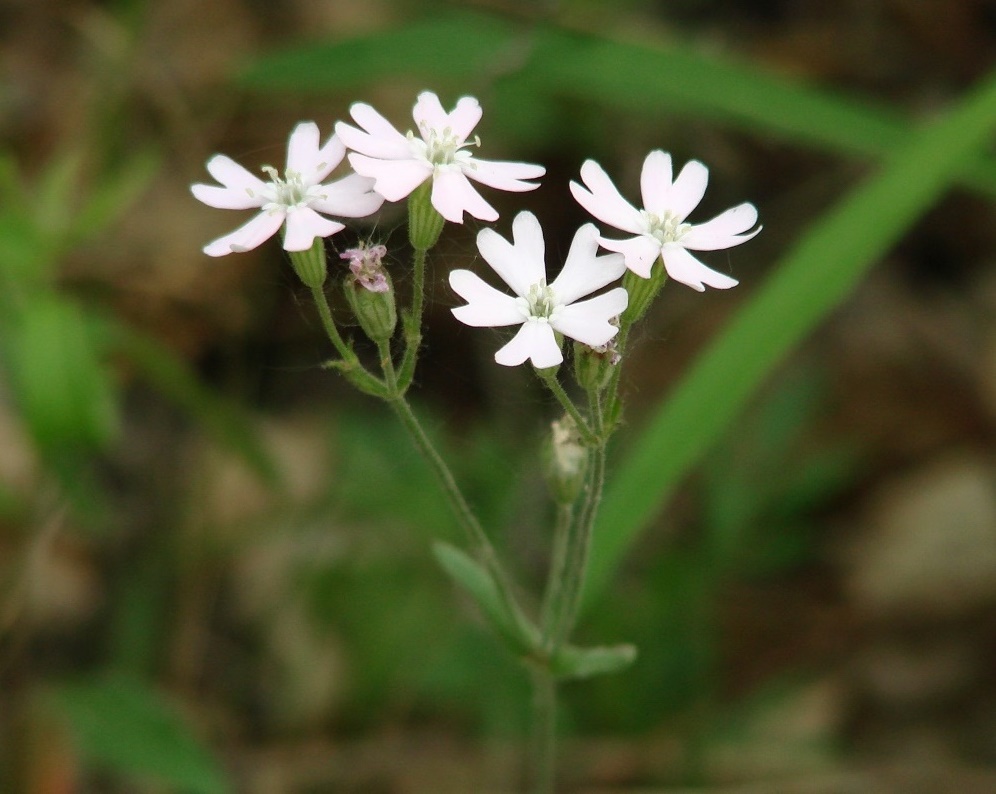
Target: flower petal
[260,228]
[535,340]
[394,179]
[304,225]
[640,252]
[603,201]
[688,189]
[224,198]
[329,156]
[724,231]
[584,272]
[429,114]
[520,265]
[452,195]
[378,138]
[234,176]
[373,122]
[683,267]
[588,321]
[464,117]
[655,181]
[504,175]
[302,149]
[349,197]
[486,307]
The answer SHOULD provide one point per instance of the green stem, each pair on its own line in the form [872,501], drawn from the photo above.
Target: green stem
[325,312]
[458,503]
[558,562]
[564,609]
[549,378]
[413,323]
[544,731]
[612,392]
[350,366]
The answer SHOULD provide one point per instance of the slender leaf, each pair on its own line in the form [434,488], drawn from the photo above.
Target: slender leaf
[219,416]
[128,728]
[814,278]
[459,47]
[573,662]
[477,583]
[453,48]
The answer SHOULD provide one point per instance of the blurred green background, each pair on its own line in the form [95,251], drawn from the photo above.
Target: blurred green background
[214,557]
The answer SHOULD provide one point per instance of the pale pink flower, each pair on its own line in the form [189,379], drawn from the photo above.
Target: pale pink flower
[660,227]
[296,198]
[439,151]
[539,308]
[365,265]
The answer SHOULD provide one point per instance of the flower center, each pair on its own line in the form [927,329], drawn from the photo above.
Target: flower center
[441,147]
[540,303]
[288,191]
[665,228]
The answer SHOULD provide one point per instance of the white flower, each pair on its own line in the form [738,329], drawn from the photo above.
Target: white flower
[295,198]
[539,308]
[400,163]
[660,227]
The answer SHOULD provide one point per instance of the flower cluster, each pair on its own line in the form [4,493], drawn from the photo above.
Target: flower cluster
[390,165]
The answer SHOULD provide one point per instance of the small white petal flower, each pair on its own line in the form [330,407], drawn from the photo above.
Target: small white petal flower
[660,227]
[439,151]
[296,198]
[539,308]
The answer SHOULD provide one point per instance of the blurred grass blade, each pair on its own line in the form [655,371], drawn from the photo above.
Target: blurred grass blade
[822,270]
[574,662]
[127,728]
[218,416]
[522,638]
[53,359]
[680,80]
[459,47]
[452,48]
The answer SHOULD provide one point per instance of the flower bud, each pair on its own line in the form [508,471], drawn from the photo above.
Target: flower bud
[565,461]
[593,366]
[365,265]
[310,264]
[369,291]
[425,224]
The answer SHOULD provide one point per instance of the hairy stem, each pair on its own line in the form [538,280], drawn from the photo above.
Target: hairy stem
[413,323]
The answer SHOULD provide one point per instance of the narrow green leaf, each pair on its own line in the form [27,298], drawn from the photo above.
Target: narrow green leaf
[683,81]
[453,48]
[171,376]
[459,47]
[62,389]
[814,278]
[572,662]
[127,728]
[477,582]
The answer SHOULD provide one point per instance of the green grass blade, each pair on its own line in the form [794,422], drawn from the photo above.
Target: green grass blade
[816,276]
[452,48]
[463,47]
[682,81]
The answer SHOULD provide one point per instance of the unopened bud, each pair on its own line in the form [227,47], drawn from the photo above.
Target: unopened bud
[594,366]
[369,292]
[565,461]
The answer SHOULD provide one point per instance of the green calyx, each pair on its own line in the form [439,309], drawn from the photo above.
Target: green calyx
[425,224]
[375,311]
[310,265]
[642,291]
